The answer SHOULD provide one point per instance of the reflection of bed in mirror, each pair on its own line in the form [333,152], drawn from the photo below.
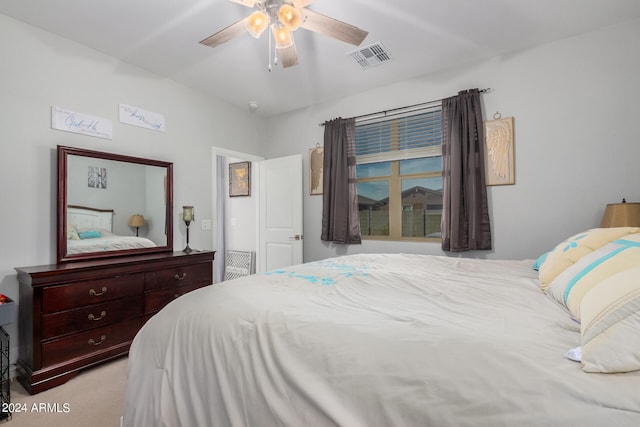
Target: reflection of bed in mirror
[91,230]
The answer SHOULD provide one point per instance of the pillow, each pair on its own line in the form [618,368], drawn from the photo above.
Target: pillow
[91,234]
[72,233]
[611,324]
[104,232]
[575,247]
[539,261]
[571,286]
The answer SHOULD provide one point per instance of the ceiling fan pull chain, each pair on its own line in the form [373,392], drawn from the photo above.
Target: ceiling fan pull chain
[269,53]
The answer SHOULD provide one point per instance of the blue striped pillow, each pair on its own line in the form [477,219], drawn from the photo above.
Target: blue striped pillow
[570,286]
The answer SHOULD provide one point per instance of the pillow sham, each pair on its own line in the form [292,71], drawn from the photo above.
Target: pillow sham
[91,234]
[575,247]
[611,324]
[539,261]
[72,233]
[571,286]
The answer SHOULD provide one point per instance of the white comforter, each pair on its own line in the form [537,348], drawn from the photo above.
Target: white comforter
[108,242]
[371,340]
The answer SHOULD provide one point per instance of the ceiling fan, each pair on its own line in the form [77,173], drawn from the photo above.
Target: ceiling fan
[284,17]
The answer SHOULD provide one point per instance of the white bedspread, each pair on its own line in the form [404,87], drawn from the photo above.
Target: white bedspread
[108,242]
[371,340]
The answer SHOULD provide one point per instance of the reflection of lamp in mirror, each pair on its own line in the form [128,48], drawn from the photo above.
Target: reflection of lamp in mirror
[187,216]
[136,221]
[621,215]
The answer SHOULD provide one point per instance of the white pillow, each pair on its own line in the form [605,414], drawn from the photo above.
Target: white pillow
[571,286]
[610,325]
[568,252]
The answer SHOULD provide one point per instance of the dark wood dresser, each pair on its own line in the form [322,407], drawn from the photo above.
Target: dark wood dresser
[73,316]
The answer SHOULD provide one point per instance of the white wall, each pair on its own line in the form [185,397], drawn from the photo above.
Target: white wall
[40,70]
[577,145]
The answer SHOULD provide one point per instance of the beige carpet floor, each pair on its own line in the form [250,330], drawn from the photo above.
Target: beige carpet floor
[94,398]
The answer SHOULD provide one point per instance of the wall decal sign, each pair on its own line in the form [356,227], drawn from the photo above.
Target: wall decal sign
[138,117]
[71,121]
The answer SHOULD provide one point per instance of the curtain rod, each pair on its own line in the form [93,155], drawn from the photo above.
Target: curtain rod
[385,113]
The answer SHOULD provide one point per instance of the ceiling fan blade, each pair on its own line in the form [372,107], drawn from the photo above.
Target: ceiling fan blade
[288,56]
[248,3]
[226,34]
[332,27]
[302,3]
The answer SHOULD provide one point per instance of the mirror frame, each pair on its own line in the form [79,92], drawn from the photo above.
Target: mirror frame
[63,154]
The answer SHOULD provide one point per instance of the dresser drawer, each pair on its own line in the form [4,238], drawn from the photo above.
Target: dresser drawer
[178,276]
[64,297]
[85,343]
[89,317]
[154,301]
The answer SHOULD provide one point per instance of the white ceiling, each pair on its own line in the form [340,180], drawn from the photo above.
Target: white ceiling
[422,36]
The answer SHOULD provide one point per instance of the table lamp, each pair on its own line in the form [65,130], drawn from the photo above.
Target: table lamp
[136,221]
[187,217]
[621,215]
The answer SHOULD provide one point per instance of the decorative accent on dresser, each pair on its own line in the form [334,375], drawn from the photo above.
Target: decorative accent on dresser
[75,315]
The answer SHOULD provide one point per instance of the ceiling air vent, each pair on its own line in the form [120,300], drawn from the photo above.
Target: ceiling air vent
[370,56]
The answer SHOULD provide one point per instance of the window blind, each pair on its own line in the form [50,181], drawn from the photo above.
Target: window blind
[404,136]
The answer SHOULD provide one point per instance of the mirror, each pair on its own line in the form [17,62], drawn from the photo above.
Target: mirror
[112,205]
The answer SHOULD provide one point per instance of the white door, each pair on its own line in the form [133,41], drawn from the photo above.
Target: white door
[280,222]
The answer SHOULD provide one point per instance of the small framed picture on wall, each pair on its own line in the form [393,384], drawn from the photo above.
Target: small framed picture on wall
[239,179]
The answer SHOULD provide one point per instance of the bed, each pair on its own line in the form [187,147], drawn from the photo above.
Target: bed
[91,230]
[380,340]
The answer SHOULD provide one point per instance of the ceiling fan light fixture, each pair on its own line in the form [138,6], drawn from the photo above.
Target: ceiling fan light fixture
[290,17]
[285,16]
[256,23]
[282,36]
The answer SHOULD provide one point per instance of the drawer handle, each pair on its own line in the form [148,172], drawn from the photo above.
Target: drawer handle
[97,294]
[184,275]
[91,341]
[103,314]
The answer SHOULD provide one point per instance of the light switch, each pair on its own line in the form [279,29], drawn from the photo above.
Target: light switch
[206,224]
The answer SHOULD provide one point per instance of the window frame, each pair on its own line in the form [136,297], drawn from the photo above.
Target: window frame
[394,180]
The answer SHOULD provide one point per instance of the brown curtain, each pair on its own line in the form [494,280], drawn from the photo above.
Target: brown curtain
[340,219]
[465,212]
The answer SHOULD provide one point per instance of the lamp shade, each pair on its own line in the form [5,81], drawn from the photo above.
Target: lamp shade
[289,16]
[256,23]
[282,36]
[621,215]
[136,220]
[187,213]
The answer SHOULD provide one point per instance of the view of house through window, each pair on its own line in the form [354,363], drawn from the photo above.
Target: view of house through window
[399,176]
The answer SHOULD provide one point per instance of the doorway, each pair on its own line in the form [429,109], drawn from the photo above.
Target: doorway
[268,220]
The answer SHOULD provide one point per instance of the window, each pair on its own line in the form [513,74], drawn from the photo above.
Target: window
[399,176]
